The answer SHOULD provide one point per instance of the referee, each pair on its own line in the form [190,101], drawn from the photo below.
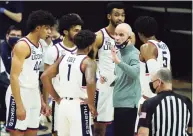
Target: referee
[168,113]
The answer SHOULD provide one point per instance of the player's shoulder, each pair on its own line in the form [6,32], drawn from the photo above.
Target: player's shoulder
[21,48]
[147,45]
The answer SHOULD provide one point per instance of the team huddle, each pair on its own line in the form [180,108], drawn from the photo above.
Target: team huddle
[79,73]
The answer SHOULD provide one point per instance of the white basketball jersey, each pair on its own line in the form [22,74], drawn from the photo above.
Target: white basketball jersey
[106,65]
[72,79]
[29,75]
[61,50]
[163,58]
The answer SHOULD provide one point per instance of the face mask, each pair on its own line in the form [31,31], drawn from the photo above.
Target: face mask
[152,88]
[56,40]
[121,46]
[12,41]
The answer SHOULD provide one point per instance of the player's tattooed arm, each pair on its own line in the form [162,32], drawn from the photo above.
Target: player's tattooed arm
[20,52]
[47,76]
[89,68]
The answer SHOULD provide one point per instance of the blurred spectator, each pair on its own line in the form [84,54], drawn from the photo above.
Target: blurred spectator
[10,14]
[13,34]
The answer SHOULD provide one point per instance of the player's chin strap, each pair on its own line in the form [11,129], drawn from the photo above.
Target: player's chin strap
[152,65]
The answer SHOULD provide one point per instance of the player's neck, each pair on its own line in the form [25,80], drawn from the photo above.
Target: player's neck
[68,43]
[111,29]
[81,52]
[166,87]
[33,38]
[150,38]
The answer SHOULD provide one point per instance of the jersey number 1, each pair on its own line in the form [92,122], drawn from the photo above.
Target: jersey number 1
[69,68]
[165,60]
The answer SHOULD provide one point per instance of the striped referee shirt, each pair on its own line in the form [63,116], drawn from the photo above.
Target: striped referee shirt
[167,114]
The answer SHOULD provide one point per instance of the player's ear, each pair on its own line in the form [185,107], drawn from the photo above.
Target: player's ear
[38,28]
[108,16]
[65,32]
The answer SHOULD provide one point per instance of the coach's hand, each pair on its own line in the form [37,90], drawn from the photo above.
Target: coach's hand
[93,110]
[114,55]
[21,113]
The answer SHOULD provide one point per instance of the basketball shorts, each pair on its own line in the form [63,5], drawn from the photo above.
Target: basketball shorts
[104,103]
[32,104]
[74,118]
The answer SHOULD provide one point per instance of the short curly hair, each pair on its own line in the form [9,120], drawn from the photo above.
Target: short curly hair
[146,25]
[84,39]
[68,21]
[39,18]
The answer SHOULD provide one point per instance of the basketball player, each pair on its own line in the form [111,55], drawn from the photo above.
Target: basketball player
[69,26]
[104,43]
[23,96]
[154,54]
[77,78]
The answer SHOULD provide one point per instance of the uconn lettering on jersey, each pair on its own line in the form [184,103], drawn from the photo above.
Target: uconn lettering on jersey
[71,59]
[162,46]
[36,56]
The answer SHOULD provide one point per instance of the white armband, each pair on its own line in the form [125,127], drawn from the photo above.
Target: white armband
[152,66]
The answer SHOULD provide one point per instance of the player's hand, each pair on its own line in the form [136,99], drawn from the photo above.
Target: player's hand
[46,110]
[2,10]
[21,113]
[102,80]
[93,110]
[114,56]
[59,100]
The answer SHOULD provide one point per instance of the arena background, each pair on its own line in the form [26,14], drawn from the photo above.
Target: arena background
[94,16]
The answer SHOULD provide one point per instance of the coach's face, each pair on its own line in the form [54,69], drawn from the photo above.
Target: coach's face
[73,31]
[121,35]
[116,17]
[44,31]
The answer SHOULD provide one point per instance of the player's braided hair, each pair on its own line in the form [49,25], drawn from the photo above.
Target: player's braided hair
[84,39]
[39,18]
[146,25]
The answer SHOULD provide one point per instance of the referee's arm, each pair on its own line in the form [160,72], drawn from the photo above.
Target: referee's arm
[144,120]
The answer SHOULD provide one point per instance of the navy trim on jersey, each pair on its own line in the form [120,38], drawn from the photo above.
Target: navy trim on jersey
[82,63]
[102,40]
[155,46]
[53,117]
[85,120]
[57,52]
[109,34]
[28,46]
[11,122]
[67,49]
[32,43]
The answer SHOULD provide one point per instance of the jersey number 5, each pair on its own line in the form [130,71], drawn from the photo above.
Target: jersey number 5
[69,68]
[165,60]
[37,66]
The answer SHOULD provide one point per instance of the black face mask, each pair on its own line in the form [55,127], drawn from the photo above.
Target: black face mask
[56,40]
[151,87]
[12,41]
[122,46]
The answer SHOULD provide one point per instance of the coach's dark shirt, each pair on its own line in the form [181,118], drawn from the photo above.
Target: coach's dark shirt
[5,21]
[6,55]
[167,114]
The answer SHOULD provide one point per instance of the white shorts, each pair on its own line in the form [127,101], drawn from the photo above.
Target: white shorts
[54,116]
[74,118]
[104,103]
[32,104]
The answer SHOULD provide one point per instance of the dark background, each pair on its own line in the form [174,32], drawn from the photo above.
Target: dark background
[94,16]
